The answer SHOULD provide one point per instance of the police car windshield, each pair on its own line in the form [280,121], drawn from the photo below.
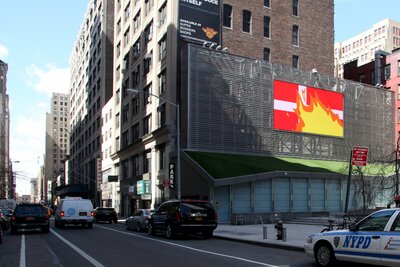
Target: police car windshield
[375,222]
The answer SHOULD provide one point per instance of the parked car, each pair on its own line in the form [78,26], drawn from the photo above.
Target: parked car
[4,222]
[105,215]
[184,217]
[138,221]
[30,216]
[74,210]
[372,240]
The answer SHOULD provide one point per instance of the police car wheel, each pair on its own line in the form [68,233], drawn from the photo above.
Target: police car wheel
[324,255]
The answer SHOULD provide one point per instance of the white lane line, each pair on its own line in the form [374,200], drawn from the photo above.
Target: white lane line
[22,262]
[190,248]
[81,252]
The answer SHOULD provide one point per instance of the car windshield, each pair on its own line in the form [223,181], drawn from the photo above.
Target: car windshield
[105,209]
[146,212]
[28,210]
[195,207]
[375,222]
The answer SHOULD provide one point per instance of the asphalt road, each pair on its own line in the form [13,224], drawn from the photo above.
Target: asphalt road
[113,245]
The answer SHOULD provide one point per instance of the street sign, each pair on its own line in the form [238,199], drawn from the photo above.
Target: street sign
[359,156]
[143,187]
[172,175]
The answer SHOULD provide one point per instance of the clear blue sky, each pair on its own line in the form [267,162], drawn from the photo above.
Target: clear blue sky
[36,40]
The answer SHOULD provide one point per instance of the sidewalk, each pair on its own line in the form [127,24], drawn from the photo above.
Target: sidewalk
[296,234]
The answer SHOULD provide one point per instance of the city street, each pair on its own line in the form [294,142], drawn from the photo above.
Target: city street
[113,245]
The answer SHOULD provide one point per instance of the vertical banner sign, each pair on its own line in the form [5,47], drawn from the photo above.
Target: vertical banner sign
[99,177]
[200,20]
[172,175]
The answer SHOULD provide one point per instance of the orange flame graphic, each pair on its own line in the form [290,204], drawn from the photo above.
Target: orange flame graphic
[317,118]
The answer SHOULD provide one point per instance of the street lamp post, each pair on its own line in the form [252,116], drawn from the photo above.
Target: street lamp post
[178,139]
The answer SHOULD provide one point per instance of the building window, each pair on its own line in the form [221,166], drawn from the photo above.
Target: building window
[267,54]
[246,21]
[136,22]
[135,105]
[148,5]
[398,67]
[147,95]
[387,72]
[161,115]
[119,26]
[162,78]
[162,14]
[136,49]
[295,62]
[135,132]
[398,115]
[295,35]
[148,33]
[136,76]
[147,125]
[125,113]
[398,91]
[267,22]
[147,63]
[295,7]
[227,16]
[162,48]
[125,139]
[127,12]
[126,37]
[135,165]
[161,157]
[146,161]
[117,120]
[267,3]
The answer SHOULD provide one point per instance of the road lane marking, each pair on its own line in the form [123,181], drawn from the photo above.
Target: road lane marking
[22,262]
[190,248]
[81,252]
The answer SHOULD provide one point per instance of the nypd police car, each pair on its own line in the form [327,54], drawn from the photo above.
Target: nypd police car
[373,240]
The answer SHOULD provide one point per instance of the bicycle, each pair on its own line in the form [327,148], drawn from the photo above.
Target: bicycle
[340,226]
[329,227]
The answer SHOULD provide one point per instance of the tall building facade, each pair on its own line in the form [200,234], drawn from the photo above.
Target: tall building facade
[149,37]
[393,83]
[7,180]
[57,144]
[384,36]
[290,32]
[91,86]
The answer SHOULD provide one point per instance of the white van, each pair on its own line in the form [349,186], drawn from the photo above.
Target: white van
[74,210]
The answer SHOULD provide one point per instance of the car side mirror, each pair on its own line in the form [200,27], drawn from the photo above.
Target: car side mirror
[353,227]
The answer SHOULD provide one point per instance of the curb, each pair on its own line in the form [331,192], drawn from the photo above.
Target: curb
[261,244]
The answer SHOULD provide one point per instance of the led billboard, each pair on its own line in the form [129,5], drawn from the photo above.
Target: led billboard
[307,109]
[199,20]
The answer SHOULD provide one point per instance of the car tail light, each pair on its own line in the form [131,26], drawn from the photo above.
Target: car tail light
[13,219]
[92,213]
[177,216]
[62,214]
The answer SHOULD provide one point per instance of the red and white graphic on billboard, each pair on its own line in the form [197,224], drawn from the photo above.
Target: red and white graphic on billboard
[307,109]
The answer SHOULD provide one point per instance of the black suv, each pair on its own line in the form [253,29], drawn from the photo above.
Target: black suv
[184,216]
[30,216]
[105,214]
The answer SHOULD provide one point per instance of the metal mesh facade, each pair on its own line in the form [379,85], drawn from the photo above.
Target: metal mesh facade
[228,107]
